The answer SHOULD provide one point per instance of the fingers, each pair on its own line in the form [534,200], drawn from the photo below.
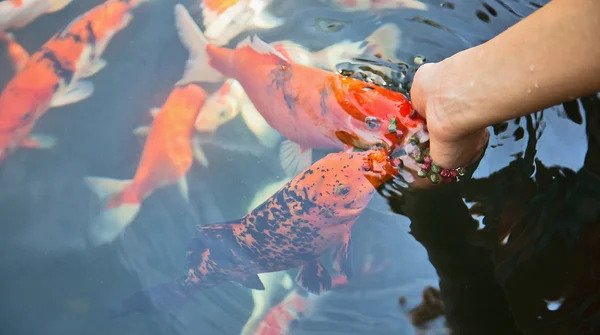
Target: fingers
[461,152]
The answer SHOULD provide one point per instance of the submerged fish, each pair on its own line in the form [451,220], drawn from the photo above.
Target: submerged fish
[378,4]
[51,77]
[312,107]
[225,19]
[166,158]
[19,13]
[309,216]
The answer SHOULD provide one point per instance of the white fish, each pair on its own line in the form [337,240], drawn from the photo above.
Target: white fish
[351,5]
[19,13]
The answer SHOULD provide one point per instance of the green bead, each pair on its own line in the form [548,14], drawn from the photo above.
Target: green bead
[461,171]
[435,168]
[413,140]
[422,173]
[434,178]
[393,125]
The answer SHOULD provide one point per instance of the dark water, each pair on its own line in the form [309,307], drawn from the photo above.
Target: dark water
[514,250]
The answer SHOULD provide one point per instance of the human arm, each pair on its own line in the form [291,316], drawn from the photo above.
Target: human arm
[549,57]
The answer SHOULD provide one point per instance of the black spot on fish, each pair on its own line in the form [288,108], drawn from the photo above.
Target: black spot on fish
[59,69]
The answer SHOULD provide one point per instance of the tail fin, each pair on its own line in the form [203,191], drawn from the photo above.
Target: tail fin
[109,224]
[166,298]
[197,67]
[384,41]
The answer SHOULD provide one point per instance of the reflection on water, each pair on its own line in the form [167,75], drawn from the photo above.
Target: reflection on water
[515,249]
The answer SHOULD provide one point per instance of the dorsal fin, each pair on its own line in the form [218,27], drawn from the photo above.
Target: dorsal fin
[261,47]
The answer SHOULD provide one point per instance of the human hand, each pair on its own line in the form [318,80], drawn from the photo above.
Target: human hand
[456,140]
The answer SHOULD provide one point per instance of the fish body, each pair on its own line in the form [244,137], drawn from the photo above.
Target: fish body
[310,106]
[51,76]
[19,13]
[165,160]
[309,216]
[225,19]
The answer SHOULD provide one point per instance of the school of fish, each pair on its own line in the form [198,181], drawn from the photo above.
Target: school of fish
[289,97]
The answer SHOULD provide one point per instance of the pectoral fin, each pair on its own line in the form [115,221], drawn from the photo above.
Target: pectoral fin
[56,5]
[314,277]
[183,188]
[38,141]
[293,158]
[79,91]
[342,261]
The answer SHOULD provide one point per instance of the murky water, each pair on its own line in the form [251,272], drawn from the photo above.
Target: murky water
[523,260]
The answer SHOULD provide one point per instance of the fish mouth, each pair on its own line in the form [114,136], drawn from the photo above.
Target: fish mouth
[379,167]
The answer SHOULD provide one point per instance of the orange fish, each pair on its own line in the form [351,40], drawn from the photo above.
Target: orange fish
[19,13]
[225,19]
[52,75]
[165,160]
[312,107]
[311,215]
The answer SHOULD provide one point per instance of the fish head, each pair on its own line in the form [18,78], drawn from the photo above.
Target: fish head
[19,109]
[346,180]
[220,108]
[379,116]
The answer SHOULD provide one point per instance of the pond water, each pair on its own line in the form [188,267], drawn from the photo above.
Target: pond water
[515,249]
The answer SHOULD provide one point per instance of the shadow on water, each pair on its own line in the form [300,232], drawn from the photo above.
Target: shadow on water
[515,249]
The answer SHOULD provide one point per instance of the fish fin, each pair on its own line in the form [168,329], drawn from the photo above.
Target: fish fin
[184,189]
[199,154]
[141,131]
[342,260]
[106,187]
[265,20]
[314,277]
[293,158]
[94,68]
[56,5]
[80,91]
[17,54]
[261,47]
[253,282]
[384,41]
[111,222]
[167,298]
[197,67]
[38,141]
[295,52]
[257,124]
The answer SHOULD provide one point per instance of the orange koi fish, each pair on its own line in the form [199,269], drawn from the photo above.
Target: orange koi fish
[225,19]
[52,75]
[351,5]
[312,107]
[19,13]
[309,216]
[166,158]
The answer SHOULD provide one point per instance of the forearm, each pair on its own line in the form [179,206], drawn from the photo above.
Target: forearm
[549,57]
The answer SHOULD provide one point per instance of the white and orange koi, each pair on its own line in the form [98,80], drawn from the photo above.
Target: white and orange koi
[166,158]
[352,5]
[52,76]
[225,19]
[19,13]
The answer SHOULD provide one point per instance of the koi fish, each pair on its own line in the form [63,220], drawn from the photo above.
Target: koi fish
[51,77]
[312,107]
[279,319]
[165,160]
[309,216]
[19,13]
[225,19]
[352,5]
